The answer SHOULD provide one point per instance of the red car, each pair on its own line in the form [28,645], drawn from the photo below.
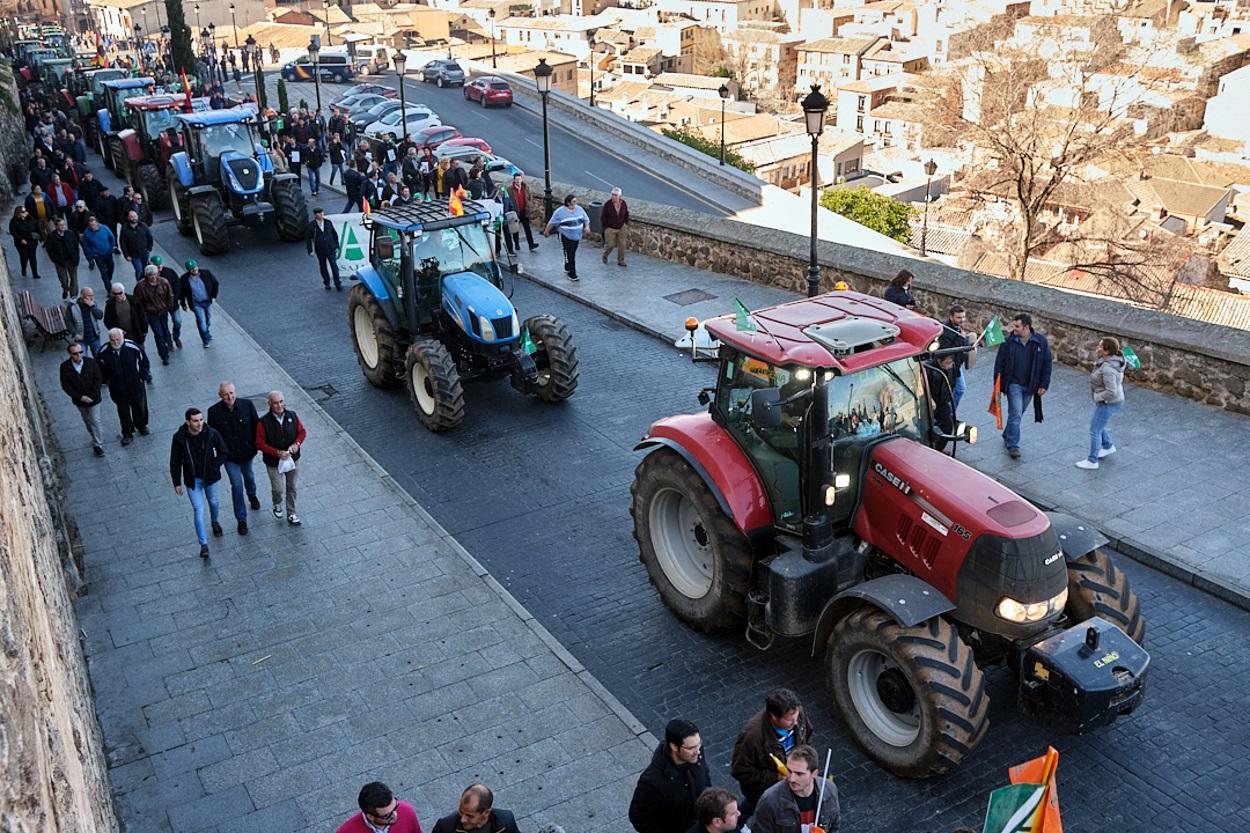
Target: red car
[488,90]
[469,142]
[432,137]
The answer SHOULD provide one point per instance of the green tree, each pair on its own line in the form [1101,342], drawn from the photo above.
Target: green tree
[284,106]
[180,38]
[871,210]
[694,140]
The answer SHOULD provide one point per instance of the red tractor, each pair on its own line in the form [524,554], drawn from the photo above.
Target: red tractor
[140,152]
[809,500]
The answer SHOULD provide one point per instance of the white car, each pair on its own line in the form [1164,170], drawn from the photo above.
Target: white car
[413,119]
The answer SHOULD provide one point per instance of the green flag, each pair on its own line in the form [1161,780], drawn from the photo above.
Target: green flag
[742,317]
[527,344]
[1130,356]
[993,334]
[1013,809]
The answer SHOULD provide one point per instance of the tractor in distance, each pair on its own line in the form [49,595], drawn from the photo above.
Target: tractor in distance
[111,113]
[141,151]
[223,176]
[809,500]
[87,86]
[430,313]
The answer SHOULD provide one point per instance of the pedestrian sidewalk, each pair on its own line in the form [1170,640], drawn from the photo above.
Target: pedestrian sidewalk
[258,690]
[1174,495]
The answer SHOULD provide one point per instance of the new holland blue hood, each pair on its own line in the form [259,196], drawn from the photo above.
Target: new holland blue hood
[479,308]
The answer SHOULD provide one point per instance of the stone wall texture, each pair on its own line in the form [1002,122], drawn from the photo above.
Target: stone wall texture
[53,775]
[1199,361]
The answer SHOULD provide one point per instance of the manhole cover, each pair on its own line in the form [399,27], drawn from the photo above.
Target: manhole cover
[320,393]
[689,296]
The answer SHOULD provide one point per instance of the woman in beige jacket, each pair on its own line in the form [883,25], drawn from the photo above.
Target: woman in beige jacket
[1106,383]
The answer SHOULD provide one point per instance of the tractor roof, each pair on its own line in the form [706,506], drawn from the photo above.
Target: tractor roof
[844,330]
[129,83]
[230,115]
[160,101]
[429,215]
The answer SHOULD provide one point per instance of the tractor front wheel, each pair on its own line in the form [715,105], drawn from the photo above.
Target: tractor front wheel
[555,356]
[434,385]
[291,209]
[152,187]
[913,698]
[178,202]
[697,559]
[121,165]
[377,349]
[1096,587]
[208,218]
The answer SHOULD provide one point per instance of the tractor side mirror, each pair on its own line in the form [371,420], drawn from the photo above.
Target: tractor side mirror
[766,408]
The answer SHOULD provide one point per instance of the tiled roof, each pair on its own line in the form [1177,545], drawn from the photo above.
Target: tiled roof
[848,46]
[1235,259]
[1187,199]
[944,240]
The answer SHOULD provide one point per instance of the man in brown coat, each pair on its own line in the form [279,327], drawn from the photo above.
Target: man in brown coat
[775,730]
[155,298]
[615,219]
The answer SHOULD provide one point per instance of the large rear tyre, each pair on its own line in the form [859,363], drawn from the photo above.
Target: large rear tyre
[208,218]
[434,385]
[555,356]
[117,152]
[290,208]
[178,202]
[697,559]
[913,698]
[377,348]
[1096,587]
[153,187]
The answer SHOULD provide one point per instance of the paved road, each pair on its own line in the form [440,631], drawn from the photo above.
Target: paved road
[539,495]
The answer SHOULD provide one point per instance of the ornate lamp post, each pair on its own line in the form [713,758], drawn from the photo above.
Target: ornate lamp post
[814,107]
[234,25]
[401,63]
[493,65]
[314,54]
[139,42]
[258,75]
[724,96]
[930,168]
[542,78]
[197,15]
[212,35]
[329,39]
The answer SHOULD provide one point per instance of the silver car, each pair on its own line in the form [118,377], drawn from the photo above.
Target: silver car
[443,72]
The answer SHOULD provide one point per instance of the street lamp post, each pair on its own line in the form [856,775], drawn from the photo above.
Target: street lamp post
[139,43]
[542,78]
[401,63]
[257,74]
[814,107]
[197,15]
[493,65]
[329,39]
[314,54]
[234,25]
[724,96]
[930,168]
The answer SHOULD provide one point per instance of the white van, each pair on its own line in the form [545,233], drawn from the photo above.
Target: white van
[375,58]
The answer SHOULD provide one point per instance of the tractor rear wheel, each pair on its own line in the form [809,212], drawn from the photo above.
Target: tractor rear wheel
[117,152]
[208,218]
[556,357]
[290,208]
[178,202]
[152,187]
[377,348]
[697,559]
[1096,587]
[434,385]
[913,698]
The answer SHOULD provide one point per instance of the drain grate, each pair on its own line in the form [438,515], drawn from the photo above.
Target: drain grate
[689,296]
[321,393]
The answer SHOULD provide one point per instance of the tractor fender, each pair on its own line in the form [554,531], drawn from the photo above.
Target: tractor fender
[281,176]
[196,190]
[377,288]
[1077,538]
[908,601]
[130,142]
[106,121]
[262,159]
[182,167]
[726,470]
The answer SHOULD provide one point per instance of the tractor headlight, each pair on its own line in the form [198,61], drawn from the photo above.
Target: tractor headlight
[1020,612]
[488,329]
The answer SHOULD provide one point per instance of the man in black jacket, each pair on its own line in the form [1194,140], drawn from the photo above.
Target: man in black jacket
[353,182]
[198,291]
[770,733]
[136,242]
[235,420]
[195,458]
[477,814]
[323,241]
[175,284]
[63,251]
[125,366]
[664,798]
[81,380]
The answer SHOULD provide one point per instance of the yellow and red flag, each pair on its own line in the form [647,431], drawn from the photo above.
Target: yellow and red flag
[186,91]
[996,405]
[454,205]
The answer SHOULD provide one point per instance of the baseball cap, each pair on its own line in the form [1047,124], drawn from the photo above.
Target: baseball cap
[190,264]
[156,260]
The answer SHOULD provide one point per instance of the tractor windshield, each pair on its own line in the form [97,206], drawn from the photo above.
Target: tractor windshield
[216,139]
[457,249]
[884,399]
[157,121]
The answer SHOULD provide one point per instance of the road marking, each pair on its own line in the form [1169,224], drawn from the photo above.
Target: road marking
[479,115]
[531,141]
[601,179]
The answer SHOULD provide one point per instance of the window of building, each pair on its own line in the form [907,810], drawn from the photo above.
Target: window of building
[859,124]
[863,101]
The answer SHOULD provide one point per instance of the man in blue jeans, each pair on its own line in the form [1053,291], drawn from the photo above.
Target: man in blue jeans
[235,419]
[195,459]
[199,290]
[1022,369]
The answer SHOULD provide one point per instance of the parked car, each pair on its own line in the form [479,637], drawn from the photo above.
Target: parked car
[359,89]
[466,155]
[443,72]
[468,141]
[434,136]
[411,120]
[336,67]
[364,103]
[375,112]
[487,90]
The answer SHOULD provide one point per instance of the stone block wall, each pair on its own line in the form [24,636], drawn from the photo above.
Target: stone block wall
[1199,361]
[53,775]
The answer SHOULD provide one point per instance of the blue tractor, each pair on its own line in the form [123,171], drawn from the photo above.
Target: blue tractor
[430,313]
[225,177]
[111,114]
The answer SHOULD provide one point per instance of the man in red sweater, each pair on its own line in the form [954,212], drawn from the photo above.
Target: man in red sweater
[381,812]
[279,438]
[615,218]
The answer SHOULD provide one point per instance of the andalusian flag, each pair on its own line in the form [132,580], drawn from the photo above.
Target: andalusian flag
[742,318]
[1130,356]
[993,334]
[1031,803]
[528,347]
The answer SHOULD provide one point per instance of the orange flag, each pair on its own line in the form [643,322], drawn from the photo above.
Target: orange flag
[186,90]
[996,405]
[1042,771]
[454,205]
[364,206]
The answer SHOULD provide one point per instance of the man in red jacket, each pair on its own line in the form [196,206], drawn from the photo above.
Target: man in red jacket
[279,438]
[381,812]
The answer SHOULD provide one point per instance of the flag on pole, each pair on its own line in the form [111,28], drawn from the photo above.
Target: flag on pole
[742,318]
[527,343]
[1130,356]
[993,334]
[1031,803]
[186,90]
[454,205]
[996,404]
[365,208]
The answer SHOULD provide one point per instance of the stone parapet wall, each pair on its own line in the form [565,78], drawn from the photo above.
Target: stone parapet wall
[1199,361]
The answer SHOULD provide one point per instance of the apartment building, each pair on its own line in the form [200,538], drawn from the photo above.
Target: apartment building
[725,15]
[830,62]
[569,34]
[762,56]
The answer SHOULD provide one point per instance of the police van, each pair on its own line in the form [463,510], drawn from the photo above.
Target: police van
[334,66]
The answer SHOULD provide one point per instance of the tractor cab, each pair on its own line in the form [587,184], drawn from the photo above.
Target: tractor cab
[155,125]
[56,73]
[222,149]
[113,113]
